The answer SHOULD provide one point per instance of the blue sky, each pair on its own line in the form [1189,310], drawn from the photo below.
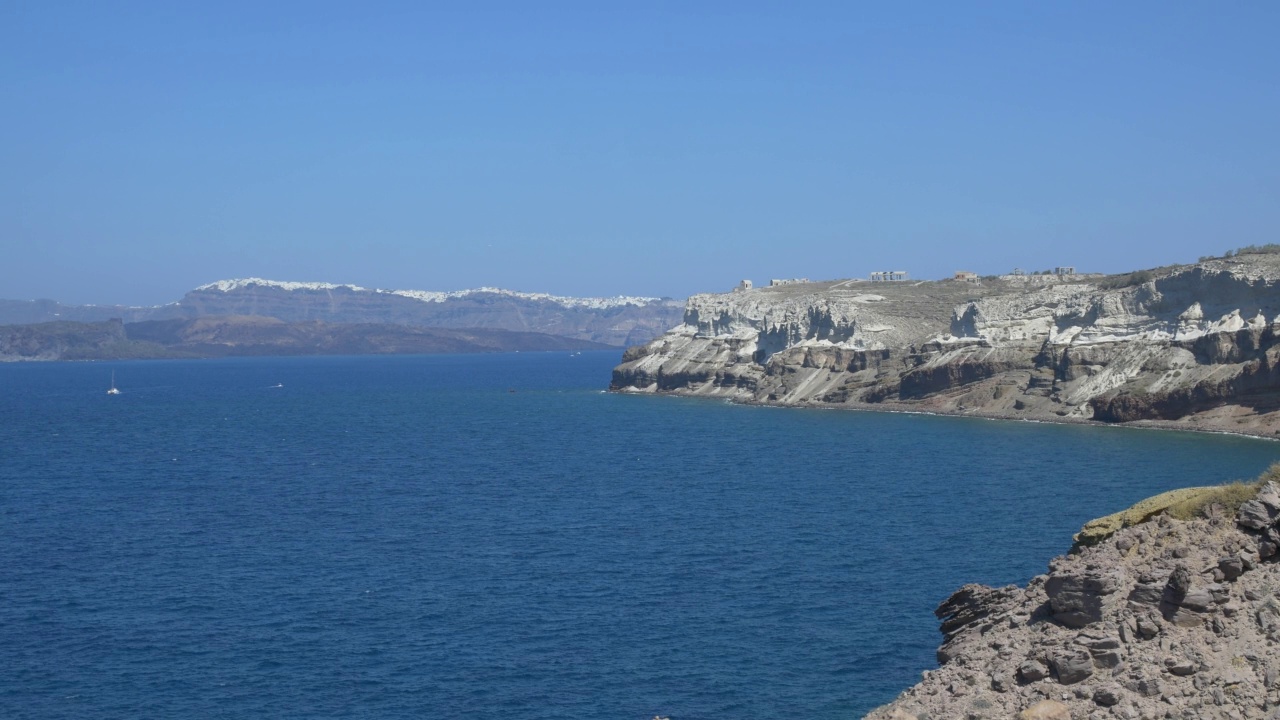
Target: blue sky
[608,148]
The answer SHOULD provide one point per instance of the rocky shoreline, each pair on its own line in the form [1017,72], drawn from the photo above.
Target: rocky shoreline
[907,409]
[1170,610]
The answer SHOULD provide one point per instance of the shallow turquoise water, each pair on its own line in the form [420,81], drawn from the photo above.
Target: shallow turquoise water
[492,536]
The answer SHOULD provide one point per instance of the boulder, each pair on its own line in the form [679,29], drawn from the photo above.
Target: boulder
[1178,584]
[1105,650]
[1107,695]
[1255,515]
[1232,567]
[1071,665]
[1267,548]
[1032,670]
[1198,599]
[1146,594]
[1079,598]
[1148,627]
[1269,495]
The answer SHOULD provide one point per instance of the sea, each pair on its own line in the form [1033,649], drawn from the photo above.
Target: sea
[493,536]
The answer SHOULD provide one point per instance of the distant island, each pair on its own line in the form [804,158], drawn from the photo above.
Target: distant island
[258,336]
[266,317]
[616,321]
[1190,346]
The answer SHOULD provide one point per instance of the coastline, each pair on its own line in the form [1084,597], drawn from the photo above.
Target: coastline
[909,409]
[1193,348]
[1003,654]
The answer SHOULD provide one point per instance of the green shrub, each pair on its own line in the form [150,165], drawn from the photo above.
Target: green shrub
[1268,249]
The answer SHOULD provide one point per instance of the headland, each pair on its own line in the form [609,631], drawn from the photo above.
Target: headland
[1192,347]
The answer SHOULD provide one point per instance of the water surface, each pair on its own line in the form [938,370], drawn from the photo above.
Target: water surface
[493,537]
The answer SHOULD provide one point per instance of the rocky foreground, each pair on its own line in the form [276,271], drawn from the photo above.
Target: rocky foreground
[1160,618]
[1191,346]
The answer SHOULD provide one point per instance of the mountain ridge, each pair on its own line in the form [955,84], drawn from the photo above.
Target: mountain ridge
[617,321]
[227,336]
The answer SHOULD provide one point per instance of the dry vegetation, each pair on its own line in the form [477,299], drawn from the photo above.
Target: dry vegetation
[1181,504]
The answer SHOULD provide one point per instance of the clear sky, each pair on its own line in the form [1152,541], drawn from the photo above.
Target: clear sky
[603,148]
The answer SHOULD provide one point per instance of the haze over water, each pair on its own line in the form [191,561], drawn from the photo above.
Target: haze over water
[492,536]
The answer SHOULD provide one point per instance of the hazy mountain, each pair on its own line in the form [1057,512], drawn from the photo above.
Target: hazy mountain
[616,321]
[239,335]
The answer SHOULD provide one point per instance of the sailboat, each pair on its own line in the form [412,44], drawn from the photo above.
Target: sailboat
[113,390]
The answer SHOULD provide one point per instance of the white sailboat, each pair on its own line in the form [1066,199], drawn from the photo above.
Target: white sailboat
[113,389]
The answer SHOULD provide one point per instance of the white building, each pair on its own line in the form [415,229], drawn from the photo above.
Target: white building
[889,276]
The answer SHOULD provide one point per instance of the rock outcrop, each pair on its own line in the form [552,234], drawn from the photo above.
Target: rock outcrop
[1165,618]
[1194,346]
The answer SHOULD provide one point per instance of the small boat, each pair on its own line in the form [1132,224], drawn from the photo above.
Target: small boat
[113,390]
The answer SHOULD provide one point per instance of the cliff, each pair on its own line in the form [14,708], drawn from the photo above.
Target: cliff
[1173,614]
[1190,346]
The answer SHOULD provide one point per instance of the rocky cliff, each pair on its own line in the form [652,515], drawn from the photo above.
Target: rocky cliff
[616,321]
[1160,617]
[1191,346]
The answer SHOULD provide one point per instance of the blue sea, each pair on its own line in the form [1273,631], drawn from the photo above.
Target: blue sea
[491,536]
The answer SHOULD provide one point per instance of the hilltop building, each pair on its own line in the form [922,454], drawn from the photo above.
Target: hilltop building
[1043,277]
[889,276]
[966,276]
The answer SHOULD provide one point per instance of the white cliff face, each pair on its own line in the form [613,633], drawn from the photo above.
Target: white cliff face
[820,315]
[1016,318]
[1167,308]
[431,296]
[777,322]
[1177,344]
[728,341]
